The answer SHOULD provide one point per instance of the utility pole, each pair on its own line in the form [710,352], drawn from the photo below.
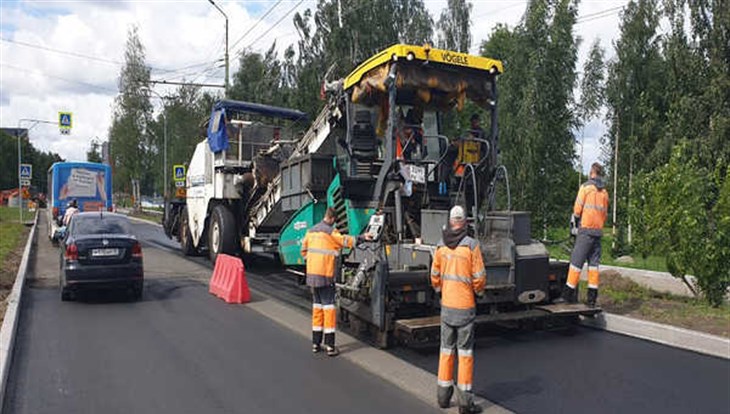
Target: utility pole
[226,16]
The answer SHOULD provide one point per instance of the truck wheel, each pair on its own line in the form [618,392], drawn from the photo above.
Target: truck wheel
[186,239]
[222,236]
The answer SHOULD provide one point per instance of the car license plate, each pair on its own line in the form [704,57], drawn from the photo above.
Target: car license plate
[104,252]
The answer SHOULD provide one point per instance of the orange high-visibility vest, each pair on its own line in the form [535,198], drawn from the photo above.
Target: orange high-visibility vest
[591,205]
[458,273]
[320,248]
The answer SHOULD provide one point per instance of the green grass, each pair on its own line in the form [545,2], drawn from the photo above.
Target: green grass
[562,251]
[12,233]
[157,218]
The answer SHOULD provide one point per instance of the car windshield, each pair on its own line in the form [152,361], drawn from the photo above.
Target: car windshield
[99,224]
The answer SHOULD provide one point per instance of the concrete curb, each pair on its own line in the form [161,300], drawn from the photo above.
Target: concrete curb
[12,313]
[700,342]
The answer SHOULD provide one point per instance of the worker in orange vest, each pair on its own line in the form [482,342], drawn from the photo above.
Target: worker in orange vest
[458,273]
[589,215]
[320,248]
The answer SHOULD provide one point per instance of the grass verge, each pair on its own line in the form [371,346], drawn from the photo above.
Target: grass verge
[561,251]
[12,242]
[623,296]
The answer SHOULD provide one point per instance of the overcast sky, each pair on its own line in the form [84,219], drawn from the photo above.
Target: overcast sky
[66,55]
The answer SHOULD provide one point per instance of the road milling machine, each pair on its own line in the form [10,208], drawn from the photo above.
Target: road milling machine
[385,154]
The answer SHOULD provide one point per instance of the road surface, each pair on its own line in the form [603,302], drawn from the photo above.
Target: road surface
[179,350]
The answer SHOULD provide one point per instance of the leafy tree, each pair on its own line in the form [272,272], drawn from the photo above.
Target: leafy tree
[94,152]
[535,100]
[636,100]
[592,95]
[454,26]
[682,215]
[40,160]
[132,153]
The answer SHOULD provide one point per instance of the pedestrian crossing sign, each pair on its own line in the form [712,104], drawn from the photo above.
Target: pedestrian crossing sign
[65,122]
[178,172]
[26,171]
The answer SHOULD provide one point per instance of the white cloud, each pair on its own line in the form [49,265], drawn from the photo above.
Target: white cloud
[38,83]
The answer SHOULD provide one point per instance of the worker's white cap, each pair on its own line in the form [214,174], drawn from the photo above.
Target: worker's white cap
[457,213]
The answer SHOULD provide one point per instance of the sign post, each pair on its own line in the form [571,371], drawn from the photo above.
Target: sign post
[65,122]
[178,174]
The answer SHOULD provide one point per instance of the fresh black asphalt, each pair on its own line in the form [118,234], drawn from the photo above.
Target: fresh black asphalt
[181,350]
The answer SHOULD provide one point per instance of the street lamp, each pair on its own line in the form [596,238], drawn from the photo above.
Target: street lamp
[34,123]
[226,16]
[164,150]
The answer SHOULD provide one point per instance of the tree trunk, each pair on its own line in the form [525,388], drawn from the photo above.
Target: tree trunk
[689,285]
[615,181]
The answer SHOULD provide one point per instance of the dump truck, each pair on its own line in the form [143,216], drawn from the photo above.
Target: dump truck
[388,154]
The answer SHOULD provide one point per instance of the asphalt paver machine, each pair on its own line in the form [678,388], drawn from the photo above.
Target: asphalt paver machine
[391,169]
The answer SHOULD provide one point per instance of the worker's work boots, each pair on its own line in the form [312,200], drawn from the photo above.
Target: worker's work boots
[592,297]
[470,409]
[569,295]
[443,395]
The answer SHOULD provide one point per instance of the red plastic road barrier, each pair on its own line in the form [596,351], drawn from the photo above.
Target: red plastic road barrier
[229,280]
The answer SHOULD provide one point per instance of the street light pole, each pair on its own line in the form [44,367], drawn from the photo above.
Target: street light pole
[20,157]
[226,16]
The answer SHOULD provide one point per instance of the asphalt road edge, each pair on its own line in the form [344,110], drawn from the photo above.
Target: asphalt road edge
[12,313]
[143,220]
[687,339]
[407,377]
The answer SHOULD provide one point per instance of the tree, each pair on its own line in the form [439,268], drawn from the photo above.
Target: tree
[592,94]
[536,100]
[94,152]
[454,26]
[635,96]
[132,150]
[683,216]
[341,34]
[40,160]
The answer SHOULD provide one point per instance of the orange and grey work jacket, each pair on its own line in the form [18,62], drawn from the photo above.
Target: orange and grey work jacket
[458,274]
[591,206]
[320,248]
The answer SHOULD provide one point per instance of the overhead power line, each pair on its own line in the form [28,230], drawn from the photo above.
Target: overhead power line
[93,58]
[18,68]
[273,26]
[256,24]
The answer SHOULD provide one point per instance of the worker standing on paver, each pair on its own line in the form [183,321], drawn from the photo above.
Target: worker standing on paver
[589,215]
[320,248]
[458,273]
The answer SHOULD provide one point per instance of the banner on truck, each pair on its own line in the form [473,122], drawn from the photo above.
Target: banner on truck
[83,183]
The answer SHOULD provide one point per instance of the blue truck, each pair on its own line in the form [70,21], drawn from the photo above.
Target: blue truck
[89,183]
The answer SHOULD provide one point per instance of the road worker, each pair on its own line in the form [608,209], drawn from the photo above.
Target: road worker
[589,215]
[320,248]
[458,273]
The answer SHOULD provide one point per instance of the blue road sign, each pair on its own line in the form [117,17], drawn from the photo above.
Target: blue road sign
[26,171]
[179,172]
[64,120]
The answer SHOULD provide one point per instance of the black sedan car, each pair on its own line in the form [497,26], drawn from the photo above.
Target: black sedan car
[99,251]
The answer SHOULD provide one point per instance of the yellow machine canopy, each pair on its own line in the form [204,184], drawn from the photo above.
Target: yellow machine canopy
[429,78]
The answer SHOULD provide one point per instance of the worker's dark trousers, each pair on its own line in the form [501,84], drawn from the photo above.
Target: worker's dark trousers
[587,247]
[324,316]
[456,341]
